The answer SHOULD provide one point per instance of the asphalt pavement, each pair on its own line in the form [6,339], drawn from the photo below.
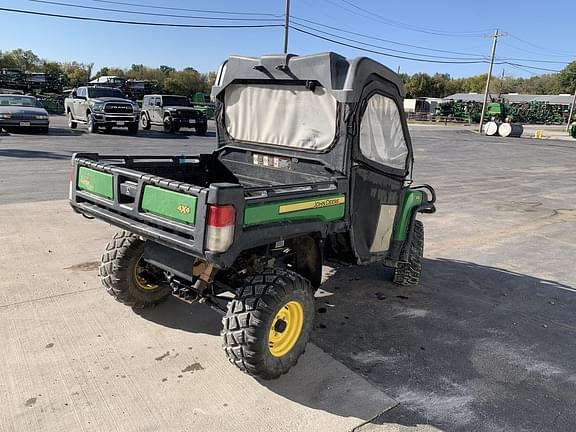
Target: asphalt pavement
[484,343]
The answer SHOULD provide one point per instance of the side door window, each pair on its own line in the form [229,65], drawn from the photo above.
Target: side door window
[79,103]
[376,194]
[381,134]
[157,109]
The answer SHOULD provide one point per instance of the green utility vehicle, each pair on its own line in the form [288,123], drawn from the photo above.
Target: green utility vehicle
[313,162]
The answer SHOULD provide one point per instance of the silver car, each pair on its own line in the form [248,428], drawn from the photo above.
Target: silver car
[18,111]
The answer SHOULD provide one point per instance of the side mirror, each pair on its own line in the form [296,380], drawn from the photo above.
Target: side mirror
[74,94]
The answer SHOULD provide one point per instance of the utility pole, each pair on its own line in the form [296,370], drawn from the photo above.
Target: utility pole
[286,26]
[571,112]
[496,35]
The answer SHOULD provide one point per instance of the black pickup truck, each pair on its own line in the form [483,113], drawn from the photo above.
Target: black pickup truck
[313,162]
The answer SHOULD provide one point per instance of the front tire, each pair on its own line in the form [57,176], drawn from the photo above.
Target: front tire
[169,125]
[408,273]
[201,129]
[71,123]
[133,128]
[92,128]
[127,277]
[268,324]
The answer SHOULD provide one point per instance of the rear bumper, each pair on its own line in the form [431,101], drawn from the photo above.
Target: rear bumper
[144,229]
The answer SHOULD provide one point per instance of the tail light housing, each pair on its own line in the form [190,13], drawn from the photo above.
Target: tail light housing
[220,224]
[71,185]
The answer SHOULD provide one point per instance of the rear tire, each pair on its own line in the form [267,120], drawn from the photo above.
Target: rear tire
[129,279]
[268,324]
[145,122]
[408,273]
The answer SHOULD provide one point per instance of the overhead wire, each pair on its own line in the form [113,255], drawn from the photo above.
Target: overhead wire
[140,23]
[383,53]
[155,7]
[72,5]
[377,17]
[296,18]
[298,25]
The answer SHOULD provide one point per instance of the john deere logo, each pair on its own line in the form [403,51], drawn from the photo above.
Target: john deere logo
[85,181]
[183,209]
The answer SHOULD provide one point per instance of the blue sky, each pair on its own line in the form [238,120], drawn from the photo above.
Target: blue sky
[535,32]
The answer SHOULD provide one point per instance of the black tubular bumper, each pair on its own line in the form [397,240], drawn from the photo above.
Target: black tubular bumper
[428,205]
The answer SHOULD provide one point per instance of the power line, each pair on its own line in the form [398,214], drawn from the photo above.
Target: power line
[71,5]
[545,49]
[153,24]
[155,7]
[515,47]
[378,38]
[374,16]
[381,52]
[390,49]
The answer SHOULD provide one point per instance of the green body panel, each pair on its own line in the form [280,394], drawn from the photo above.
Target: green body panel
[270,213]
[96,182]
[169,204]
[412,199]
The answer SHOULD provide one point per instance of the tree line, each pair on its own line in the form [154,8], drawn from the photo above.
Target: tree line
[442,85]
[186,82]
[189,80]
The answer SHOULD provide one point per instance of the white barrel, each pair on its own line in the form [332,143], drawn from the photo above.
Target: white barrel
[510,130]
[491,128]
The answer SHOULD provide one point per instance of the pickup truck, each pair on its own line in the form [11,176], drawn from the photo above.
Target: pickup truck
[313,162]
[101,107]
[172,112]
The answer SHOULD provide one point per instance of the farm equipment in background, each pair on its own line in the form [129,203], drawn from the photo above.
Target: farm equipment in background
[202,103]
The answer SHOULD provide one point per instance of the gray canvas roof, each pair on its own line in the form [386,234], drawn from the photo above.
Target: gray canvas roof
[344,78]
[514,98]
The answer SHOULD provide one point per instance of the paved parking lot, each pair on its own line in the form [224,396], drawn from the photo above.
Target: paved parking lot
[484,343]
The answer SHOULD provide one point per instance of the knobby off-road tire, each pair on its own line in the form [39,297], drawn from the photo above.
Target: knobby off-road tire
[408,273]
[121,275]
[146,125]
[255,311]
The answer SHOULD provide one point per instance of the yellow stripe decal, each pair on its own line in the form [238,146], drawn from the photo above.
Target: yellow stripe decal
[307,205]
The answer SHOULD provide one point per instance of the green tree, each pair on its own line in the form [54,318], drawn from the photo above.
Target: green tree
[567,78]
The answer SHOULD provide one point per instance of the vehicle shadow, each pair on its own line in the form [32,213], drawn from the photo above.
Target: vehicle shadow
[53,131]
[177,314]
[472,347]
[32,154]
[455,350]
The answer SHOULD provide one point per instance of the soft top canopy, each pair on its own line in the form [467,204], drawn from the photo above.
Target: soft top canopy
[344,78]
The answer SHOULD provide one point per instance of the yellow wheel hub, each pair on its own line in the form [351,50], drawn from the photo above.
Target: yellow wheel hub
[141,281]
[286,328]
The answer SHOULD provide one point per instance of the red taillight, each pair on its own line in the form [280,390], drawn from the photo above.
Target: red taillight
[220,227]
[221,216]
